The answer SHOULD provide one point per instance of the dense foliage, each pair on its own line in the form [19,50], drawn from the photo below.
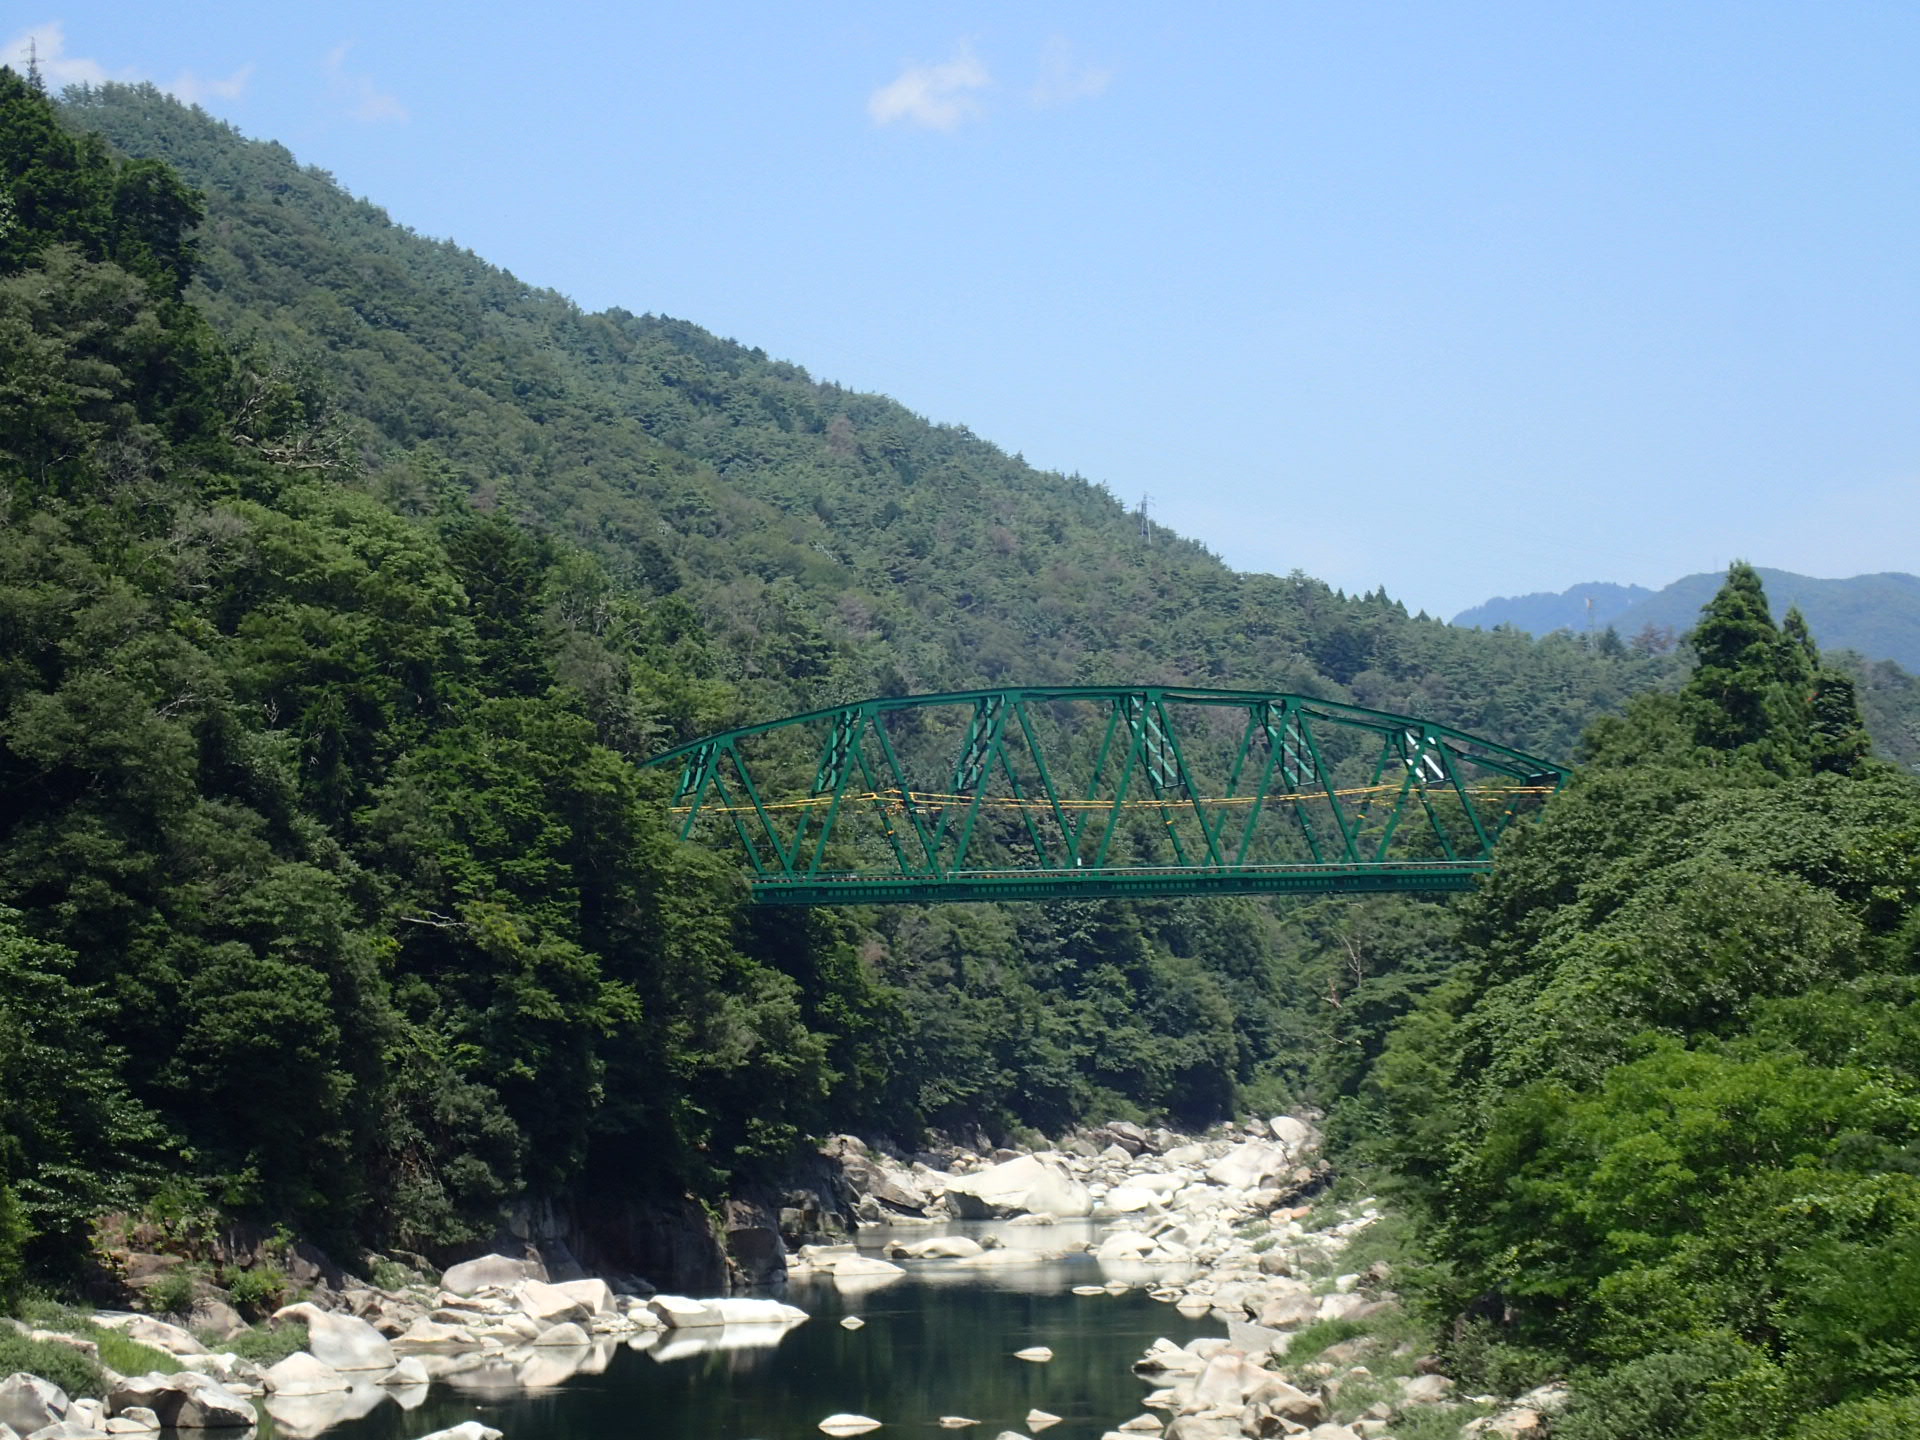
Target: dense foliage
[342,577]
[1665,1112]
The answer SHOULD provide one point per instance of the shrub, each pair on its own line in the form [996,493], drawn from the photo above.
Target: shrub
[1669,1395]
[171,1293]
[50,1360]
[392,1275]
[1475,1356]
[264,1287]
[1875,1418]
[1309,1340]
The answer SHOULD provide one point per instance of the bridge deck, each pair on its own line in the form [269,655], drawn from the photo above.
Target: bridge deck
[1083,884]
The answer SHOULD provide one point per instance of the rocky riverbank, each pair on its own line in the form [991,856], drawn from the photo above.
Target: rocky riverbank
[1234,1226]
[1230,1226]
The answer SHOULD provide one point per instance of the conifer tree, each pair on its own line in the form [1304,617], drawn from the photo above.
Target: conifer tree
[1752,690]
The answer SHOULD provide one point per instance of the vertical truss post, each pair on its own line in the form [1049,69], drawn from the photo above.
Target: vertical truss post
[880,809]
[1240,754]
[1046,776]
[901,787]
[976,761]
[766,820]
[1400,797]
[1122,708]
[1185,780]
[1452,760]
[696,774]
[1150,743]
[1093,784]
[832,776]
[1259,721]
[1349,829]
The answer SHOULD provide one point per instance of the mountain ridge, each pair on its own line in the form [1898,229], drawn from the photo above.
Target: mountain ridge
[1876,615]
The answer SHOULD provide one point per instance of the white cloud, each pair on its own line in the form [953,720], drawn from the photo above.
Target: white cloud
[363,99]
[936,97]
[1064,78]
[46,46]
[192,89]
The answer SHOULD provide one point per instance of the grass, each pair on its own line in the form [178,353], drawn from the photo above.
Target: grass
[117,1351]
[50,1360]
[1309,1340]
[264,1347]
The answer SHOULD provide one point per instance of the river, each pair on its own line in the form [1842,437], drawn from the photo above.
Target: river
[937,1341]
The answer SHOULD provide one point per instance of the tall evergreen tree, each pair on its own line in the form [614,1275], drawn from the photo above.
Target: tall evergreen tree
[1751,691]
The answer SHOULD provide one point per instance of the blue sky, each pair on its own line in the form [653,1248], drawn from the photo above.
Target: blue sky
[1463,299]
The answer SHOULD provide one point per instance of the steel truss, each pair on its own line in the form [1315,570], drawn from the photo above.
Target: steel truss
[1059,791]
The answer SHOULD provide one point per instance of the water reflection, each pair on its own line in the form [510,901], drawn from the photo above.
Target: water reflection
[706,1339]
[938,1340]
[296,1417]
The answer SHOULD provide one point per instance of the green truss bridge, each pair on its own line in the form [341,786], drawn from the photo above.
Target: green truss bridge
[1049,792]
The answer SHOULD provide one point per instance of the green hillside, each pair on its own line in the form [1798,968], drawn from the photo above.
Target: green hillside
[835,544]
[343,576]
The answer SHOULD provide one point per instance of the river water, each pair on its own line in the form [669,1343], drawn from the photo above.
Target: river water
[937,1341]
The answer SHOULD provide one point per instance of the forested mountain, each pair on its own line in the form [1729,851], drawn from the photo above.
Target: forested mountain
[1593,605]
[1876,615]
[342,578]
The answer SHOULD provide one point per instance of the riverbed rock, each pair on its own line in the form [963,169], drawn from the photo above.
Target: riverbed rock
[410,1371]
[937,1247]
[680,1312]
[547,1305]
[471,1276]
[188,1400]
[1246,1165]
[848,1424]
[1425,1389]
[595,1295]
[135,1420]
[753,1310]
[69,1430]
[346,1342]
[1025,1183]
[466,1430]
[28,1403]
[565,1333]
[304,1374]
[427,1336]
[1296,1137]
[158,1333]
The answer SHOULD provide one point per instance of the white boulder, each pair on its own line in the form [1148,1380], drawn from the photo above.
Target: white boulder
[473,1275]
[548,1305]
[304,1374]
[346,1342]
[466,1430]
[1028,1183]
[28,1403]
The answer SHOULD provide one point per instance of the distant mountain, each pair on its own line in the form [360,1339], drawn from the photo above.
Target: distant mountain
[1595,603]
[1877,615]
